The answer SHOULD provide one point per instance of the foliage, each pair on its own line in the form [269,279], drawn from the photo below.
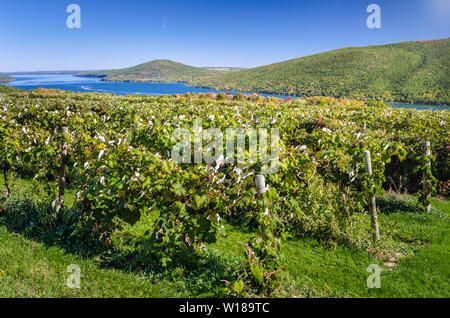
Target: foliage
[118,160]
[221,96]
[397,202]
[37,219]
[405,72]
[9,90]
[5,79]
[238,96]
[428,180]
[34,270]
[317,269]
[154,71]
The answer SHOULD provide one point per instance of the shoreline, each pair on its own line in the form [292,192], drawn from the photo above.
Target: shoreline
[279,95]
[244,92]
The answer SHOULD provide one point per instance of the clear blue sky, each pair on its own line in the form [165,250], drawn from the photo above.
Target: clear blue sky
[246,33]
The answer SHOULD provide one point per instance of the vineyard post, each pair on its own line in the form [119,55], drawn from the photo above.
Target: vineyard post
[373,205]
[426,183]
[5,175]
[62,170]
[260,189]
[260,186]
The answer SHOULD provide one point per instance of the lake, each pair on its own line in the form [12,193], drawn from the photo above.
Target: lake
[70,82]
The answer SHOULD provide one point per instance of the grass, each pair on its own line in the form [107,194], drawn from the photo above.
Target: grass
[30,269]
[322,270]
[413,255]
[427,272]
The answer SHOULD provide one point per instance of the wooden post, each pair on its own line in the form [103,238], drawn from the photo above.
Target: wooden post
[372,204]
[62,170]
[260,189]
[260,186]
[426,146]
[5,175]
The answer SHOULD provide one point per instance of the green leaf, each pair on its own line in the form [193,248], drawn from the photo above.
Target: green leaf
[178,189]
[238,286]
[199,201]
[258,273]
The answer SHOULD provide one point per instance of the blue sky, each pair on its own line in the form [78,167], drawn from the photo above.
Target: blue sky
[245,33]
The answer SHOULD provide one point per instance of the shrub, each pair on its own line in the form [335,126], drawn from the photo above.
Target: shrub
[40,221]
[326,213]
[397,202]
[238,96]
[375,103]
[211,95]
[221,96]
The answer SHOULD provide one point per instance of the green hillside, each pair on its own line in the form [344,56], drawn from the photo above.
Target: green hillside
[154,71]
[8,90]
[5,78]
[404,72]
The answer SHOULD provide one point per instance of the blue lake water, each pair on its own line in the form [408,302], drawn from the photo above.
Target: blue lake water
[70,82]
[420,106]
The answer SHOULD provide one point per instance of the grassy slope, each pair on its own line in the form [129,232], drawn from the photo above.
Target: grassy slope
[403,72]
[155,71]
[8,90]
[319,270]
[40,271]
[31,269]
[427,273]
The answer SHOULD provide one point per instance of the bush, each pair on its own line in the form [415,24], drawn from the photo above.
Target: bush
[300,101]
[200,274]
[221,96]
[238,96]
[211,95]
[375,103]
[396,202]
[40,221]
[326,213]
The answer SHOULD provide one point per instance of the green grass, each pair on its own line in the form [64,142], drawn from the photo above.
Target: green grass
[320,269]
[34,188]
[417,244]
[427,272]
[8,90]
[317,269]
[29,269]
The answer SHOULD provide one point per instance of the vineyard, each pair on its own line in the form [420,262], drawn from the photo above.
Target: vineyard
[114,154]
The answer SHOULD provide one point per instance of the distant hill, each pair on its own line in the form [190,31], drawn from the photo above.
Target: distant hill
[5,78]
[154,71]
[403,72]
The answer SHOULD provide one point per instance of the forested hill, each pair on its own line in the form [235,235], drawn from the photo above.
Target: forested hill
[155,71]
[5,78]
[404,72]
